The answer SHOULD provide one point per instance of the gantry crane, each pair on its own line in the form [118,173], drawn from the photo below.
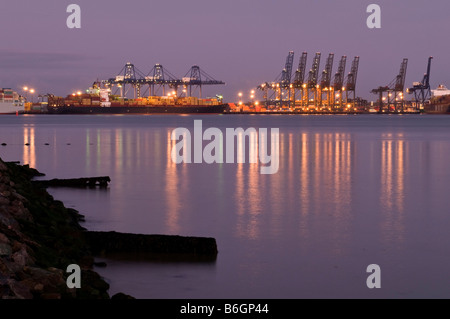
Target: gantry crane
[313,75]
[157,78]
[325,82]
[394,90]
[129,76]
[350,86]
[399,85]
[299,78]
[281,85]
[338,83]
[195,78]
[285,83]
[422,90]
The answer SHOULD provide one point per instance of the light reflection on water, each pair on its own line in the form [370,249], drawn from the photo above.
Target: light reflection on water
[346,195]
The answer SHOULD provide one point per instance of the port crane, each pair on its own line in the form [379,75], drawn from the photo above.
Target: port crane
[129,77]
[320,90]
[394,90]
[350,86]
[299,78]
[313,78]
[157,80]
[195,78]
[325,82]
[282,83]
[422,90]
[339,77]
[286,75]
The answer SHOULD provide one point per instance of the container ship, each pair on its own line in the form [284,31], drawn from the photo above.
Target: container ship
[439,102]
[11,102]
[99,100]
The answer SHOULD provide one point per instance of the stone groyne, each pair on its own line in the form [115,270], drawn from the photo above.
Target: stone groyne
[40,238]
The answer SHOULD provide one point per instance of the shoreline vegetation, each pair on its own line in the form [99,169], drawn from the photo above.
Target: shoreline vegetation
[40,238]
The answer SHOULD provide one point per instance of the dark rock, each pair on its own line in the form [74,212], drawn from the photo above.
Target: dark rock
[51,295]
[5,250]
[19,290]
[4,239]
[4,201]
[100,264]
[121,296]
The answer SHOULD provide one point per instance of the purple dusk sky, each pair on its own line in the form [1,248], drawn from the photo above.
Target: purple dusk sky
[242,43]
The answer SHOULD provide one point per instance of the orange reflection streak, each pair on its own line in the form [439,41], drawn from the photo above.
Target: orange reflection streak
[277,188]
[317,171]
[254,201]
[304,188]
[29,151]
[118,154]
[240,201]
[99,145]
[400,176]
[158,147]
[290,167]
[393,189]
[340,173]
[130,148]
[88,151]
[241,197]
[249,196]
[172,190]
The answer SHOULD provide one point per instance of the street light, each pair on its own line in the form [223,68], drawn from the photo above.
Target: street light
[32,92]
[25,88]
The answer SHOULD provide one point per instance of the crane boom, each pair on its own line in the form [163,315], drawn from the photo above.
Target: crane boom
[299,77]
[314,72]
[287,71]
[326,74]
[340,74]
[352,76]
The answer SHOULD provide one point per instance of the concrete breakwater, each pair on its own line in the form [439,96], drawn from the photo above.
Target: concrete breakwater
[40,238]
[158,247]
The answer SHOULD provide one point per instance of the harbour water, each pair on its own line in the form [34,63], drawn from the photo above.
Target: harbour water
[351,191]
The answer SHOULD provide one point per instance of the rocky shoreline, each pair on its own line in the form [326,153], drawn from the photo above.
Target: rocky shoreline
[40,238]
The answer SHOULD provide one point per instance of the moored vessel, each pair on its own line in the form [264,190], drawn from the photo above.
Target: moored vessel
[439,102]
[11,102]
[99,100]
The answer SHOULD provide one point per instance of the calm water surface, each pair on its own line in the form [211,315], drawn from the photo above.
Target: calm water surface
[350,191]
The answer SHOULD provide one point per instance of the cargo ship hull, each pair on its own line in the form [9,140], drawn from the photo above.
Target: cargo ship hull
[139,109]
[10,102]
[11,108]
[437,109]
